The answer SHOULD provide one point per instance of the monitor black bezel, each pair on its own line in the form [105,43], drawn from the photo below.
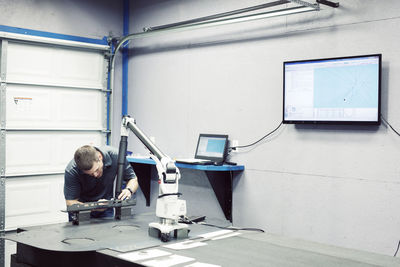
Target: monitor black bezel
[347,122]
[214,159]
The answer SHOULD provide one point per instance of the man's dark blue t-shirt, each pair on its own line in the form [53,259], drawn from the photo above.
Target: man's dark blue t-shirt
[86,188]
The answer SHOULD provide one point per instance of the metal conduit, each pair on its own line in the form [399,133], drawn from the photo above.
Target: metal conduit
[216,16]
[230,14]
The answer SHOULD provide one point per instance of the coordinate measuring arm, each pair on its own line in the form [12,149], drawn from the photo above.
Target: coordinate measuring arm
[168,208]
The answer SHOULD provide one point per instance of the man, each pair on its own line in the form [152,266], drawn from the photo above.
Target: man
[90,177]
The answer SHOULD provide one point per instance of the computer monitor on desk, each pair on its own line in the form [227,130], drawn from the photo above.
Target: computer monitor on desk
[210,149]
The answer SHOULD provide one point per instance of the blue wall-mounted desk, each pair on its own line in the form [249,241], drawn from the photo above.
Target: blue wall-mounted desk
[220,178]
[190,166]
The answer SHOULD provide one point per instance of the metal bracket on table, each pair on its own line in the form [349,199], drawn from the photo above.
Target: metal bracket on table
[81,212]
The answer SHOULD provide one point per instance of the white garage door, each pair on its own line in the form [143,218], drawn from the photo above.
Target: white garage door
[53,100]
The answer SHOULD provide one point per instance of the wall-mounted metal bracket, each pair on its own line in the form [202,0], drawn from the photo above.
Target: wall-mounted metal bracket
[328,3]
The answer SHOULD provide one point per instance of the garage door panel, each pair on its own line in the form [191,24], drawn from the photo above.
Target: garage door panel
[44,152]
[54,66]
[26,105]
[81,67]
[37,64]
[33,107]
[34,200]
[17,193]
[73,141]
[83,108]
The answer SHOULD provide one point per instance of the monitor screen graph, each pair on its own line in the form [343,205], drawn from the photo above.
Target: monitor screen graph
[336,90]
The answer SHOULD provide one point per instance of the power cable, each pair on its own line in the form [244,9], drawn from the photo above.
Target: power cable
[397,250]
[233,228]
[259,140]
[388,124]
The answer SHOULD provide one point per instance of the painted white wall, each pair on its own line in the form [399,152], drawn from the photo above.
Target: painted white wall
[91,18]
[337,185]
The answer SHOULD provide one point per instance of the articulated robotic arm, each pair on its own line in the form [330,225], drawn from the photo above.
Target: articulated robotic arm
[169,208]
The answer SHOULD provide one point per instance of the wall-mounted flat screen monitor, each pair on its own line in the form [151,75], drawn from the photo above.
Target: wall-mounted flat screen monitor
[343,90]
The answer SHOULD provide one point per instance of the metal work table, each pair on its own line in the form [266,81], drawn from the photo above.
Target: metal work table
[108,243]
[220,178]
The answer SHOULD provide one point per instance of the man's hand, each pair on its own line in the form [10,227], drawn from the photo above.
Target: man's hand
[129,190]
[100,200]
[125,194]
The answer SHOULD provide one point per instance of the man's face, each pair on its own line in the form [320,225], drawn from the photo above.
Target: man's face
[97,169]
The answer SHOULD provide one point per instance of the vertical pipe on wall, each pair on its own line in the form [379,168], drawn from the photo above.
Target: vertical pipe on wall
[109,97]
[125,62]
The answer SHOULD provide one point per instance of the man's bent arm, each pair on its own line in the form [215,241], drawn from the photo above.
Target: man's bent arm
[133,184]
[72,202]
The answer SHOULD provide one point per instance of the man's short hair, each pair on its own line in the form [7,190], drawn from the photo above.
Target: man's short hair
[85,156]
